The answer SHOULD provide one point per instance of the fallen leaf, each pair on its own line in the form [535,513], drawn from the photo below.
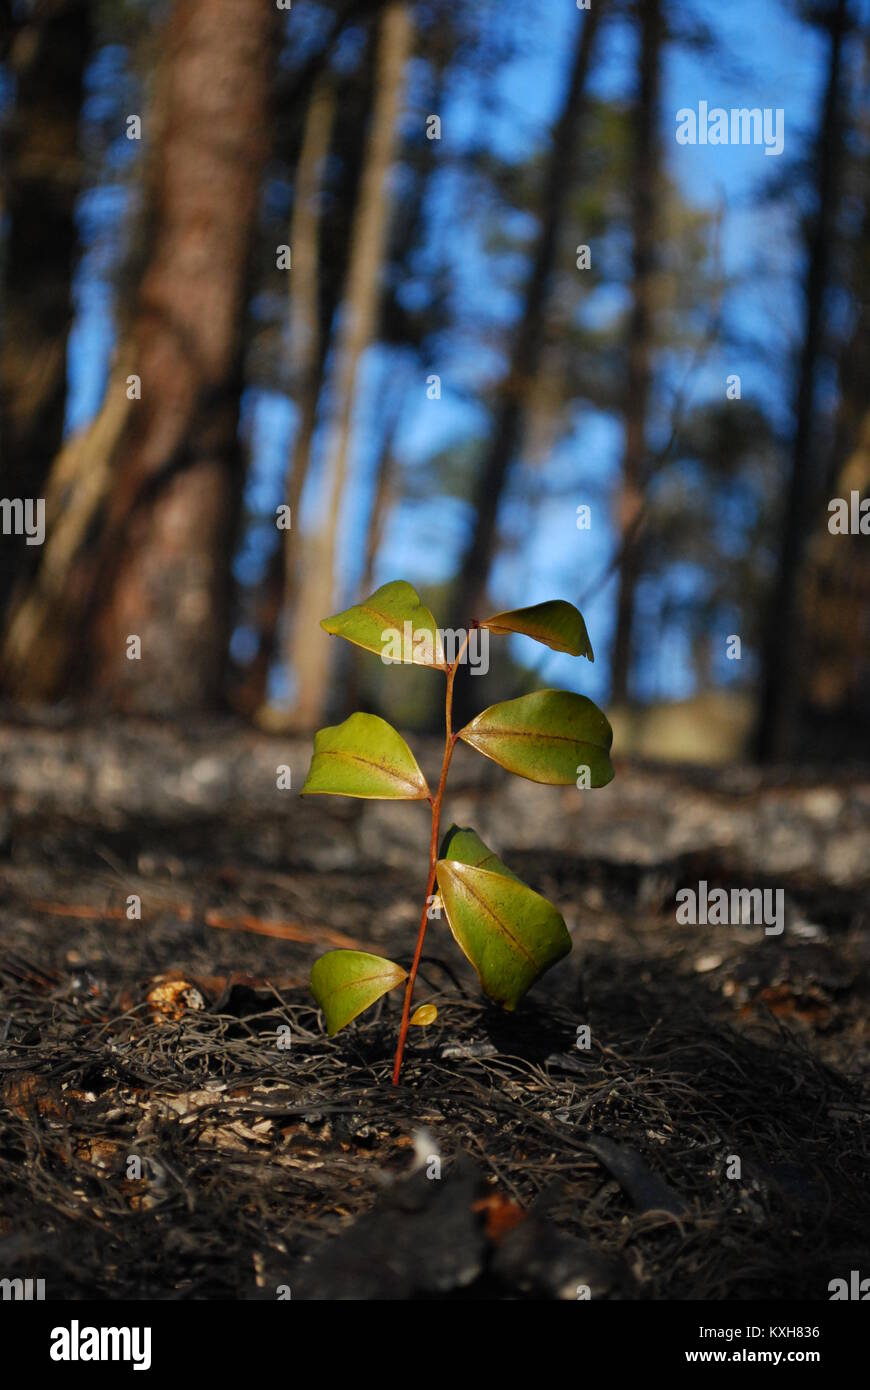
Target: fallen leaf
[422,1017]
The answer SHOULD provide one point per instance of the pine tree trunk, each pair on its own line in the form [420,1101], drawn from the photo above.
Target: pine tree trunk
[782,688]
[171,519]
[644,184]
[835,596]
[307,359]
[355,661]
[835,607]
[307,348]
[310,652]
[48,52]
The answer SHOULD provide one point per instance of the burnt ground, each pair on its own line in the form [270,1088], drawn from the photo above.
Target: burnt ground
[267,1167]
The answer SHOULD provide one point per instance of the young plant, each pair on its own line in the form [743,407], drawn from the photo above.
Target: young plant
[509,932]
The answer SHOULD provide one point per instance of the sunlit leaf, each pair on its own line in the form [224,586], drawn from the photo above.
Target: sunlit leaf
[465,846]
[422,1017]
[393,623]
[345,983]
[545,737]
[510,934]
[364,757]
[556,623]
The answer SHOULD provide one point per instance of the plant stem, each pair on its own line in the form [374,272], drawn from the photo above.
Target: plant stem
[449,744]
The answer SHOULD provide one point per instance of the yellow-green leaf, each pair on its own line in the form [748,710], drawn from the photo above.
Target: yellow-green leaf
[510,934]
[555,623]
[465,845]
[345,983]
[393,623]
[364,757]
[546,737]
[422,1017]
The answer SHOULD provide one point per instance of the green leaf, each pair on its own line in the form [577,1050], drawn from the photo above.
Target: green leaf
[364,757]
[466,847]
[545,737]
[510,934]
[394,624]
[345,983]
[556,623]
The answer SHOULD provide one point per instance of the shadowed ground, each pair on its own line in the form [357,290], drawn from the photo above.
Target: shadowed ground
[267,1166]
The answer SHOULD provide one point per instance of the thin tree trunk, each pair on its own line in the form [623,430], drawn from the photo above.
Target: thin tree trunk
[644,179]
[470,591]
[48,52]
[307,359]
[307,349]
[382,500]
[46,619]
[835,597]
[835,605]
[310,654]
[354,661]
[781,684]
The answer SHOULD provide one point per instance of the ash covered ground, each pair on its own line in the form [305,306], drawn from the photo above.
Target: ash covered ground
[266,1168]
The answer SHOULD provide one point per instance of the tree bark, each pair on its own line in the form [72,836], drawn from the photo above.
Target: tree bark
[835,595]
[645,175]
[178,483]
[46,53]
[307,360]
[835,606]
[383,497]
[781,657]
[310,654]
[307,348]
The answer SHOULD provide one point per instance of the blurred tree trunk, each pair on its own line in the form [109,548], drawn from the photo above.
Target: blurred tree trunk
[307,360]
[835,599]
[307,342]
[527,343]
[835,605]
[46,52]
[782,688]
[309,651]
[644,192]
[383,498]
[172,468]
[337,109]
[177,493]
[354,661]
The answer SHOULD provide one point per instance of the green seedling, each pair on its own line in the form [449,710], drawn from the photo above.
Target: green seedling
[510,934]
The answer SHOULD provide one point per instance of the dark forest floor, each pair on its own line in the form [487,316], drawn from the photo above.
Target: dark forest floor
[266,1166]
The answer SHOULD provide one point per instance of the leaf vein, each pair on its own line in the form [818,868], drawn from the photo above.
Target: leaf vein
[521,946]
[385,769]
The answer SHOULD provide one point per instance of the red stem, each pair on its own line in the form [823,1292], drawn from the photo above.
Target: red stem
[449,745]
